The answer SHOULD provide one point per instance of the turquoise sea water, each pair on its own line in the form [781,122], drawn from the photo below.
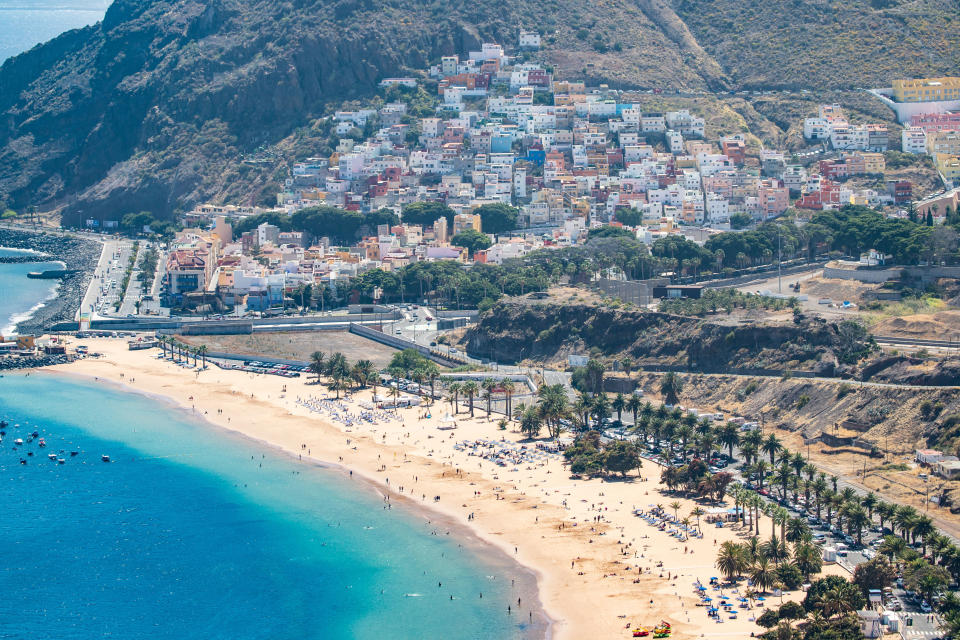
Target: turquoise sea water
[193,532]
[26,23]
[20,295]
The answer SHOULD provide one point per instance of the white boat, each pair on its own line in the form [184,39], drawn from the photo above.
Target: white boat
[105,458]
[18,442]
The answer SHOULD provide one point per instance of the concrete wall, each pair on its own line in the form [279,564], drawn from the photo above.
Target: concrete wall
[875,276]
[401,343]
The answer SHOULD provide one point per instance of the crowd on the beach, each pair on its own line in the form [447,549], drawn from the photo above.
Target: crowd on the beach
[341,413]
[505,454]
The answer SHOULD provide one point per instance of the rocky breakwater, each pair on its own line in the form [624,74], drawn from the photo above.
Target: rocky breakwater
[78,254]
[32,362]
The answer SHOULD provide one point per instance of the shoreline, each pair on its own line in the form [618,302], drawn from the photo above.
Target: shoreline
[599,568]
[64,301]
[432,514]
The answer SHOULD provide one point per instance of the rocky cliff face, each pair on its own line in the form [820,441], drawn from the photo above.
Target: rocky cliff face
[513,331]
[156,107]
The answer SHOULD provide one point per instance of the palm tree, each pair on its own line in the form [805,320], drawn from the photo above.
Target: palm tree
[729,436]
[730,560]
[431,371]
[337,366]
[857,519]
[317,366]
[797,529]
[454,388]
[471,389]
[554,407]
[784,475]
[634,404]
[508,390]
[395,392]
[363,371]
[488,385]
[619,404]
[763,574]
[923,528]
[202,350]
[819,488]
[808,558]
[670,387]
[771,446]
[775,550]
[756,502]
[869,503]
[697,512]
[904,519]
[601,408]
[840,599]
[675,505]
[884,511]
[582,408]
[892,546]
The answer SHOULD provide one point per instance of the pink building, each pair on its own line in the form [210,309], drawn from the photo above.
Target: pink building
[774,198]
[936,121]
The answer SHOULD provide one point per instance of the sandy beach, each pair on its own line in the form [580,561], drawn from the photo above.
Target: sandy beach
[601,569]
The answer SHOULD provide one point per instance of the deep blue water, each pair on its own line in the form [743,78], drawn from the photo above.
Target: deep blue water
[26,23]
[193,532]
[19,294]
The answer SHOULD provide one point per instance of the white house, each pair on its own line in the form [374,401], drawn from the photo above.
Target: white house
[529,40]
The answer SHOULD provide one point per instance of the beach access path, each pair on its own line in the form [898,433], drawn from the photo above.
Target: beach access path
[601,569]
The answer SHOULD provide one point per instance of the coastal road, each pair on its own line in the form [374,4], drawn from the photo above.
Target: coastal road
[90,299]
[104,289]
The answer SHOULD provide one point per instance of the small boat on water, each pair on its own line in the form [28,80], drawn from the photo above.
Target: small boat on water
[60,460]
[105,458]
[18,442]
[41,442]
[52,456]
[22,461]
[3,424]
[73,453]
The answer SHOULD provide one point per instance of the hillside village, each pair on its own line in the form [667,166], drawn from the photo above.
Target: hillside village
[506,160]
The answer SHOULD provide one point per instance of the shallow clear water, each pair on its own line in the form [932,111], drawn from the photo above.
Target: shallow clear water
[18,293]
[26,23]
[193,532]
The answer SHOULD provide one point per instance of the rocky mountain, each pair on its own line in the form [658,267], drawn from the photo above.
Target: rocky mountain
[155,107]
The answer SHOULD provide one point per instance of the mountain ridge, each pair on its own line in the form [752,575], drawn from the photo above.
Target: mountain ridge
[155,107]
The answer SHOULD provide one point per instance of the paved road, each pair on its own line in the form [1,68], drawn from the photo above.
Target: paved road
[104,288]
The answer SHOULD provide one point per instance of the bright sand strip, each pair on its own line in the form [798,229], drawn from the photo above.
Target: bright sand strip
[595,579]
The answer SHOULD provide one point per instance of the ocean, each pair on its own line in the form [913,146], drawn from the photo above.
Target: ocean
[19,295]
[193,532]
[26,23]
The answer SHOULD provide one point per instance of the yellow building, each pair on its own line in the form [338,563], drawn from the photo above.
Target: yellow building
[464,221]
[926,89]
[873,162]
[949,166]
[947,142]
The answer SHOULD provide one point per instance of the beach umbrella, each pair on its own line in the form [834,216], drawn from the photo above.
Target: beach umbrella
[761,598]
[707,598]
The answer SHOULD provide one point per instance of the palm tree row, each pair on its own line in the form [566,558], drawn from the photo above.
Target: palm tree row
[180,351]
[488,389]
